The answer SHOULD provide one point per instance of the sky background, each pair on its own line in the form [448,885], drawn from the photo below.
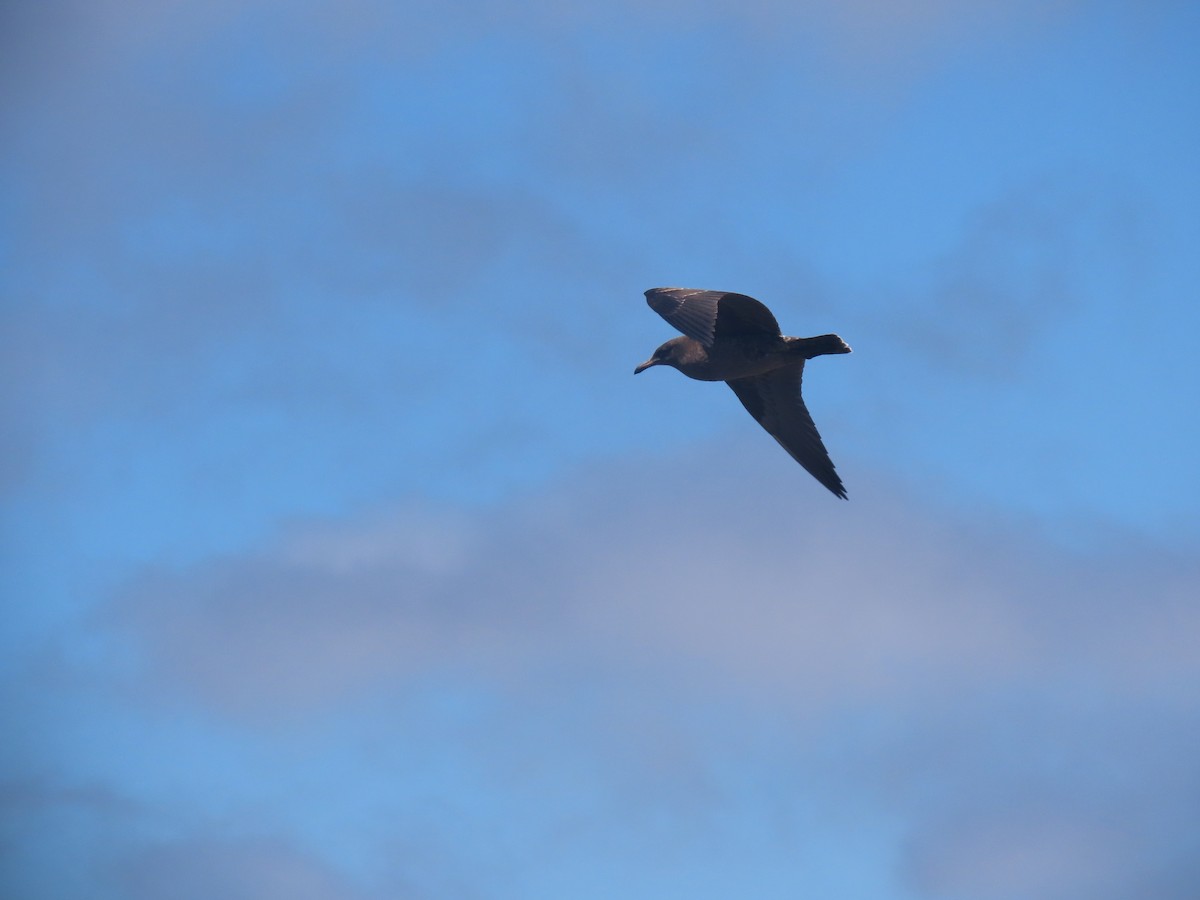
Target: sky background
[344,557]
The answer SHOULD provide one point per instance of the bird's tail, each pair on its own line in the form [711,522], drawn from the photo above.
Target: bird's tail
[818,346]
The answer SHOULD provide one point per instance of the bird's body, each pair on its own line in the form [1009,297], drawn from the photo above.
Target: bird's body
[737,357]
[734,338]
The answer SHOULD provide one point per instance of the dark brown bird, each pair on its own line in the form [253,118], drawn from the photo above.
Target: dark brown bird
[735,339]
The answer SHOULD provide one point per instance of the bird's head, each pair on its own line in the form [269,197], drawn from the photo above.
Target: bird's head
[666,355]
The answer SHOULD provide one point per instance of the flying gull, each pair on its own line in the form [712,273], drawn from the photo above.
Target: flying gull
[734,338]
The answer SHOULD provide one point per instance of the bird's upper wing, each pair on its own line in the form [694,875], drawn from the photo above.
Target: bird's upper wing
[774,400]
[707,315]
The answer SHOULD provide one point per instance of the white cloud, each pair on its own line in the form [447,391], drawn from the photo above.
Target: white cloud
[806,600]
[237,869]
[1024,709]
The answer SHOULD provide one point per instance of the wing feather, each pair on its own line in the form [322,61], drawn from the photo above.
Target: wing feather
[706,316]
[775,402]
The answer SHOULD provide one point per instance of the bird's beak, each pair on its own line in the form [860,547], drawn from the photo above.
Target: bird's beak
[644,366]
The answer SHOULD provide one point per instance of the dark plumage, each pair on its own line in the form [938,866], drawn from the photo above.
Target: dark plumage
[735,339]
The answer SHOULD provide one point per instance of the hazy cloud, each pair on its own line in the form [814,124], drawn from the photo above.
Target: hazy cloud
[1022,264]
[604,581]
[240,870]
[1031,721]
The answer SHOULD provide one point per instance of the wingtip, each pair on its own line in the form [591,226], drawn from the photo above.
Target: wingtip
[657,292]
[654,293]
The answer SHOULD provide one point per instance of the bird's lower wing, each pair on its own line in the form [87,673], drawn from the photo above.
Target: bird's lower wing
[775,402]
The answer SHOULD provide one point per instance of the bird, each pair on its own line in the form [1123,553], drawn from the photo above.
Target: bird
[734,338]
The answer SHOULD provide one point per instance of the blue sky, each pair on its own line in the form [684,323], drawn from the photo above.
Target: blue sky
[346,558]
